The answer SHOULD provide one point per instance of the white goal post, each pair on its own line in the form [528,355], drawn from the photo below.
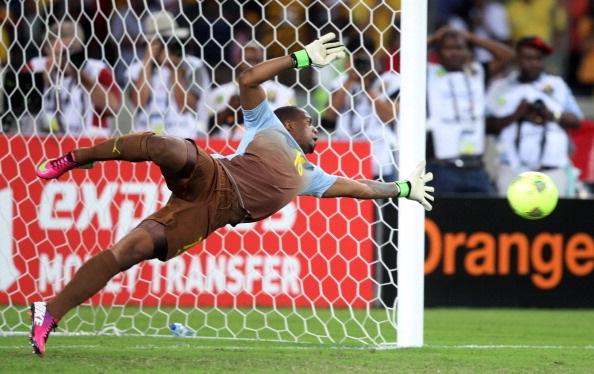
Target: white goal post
[318,271]
[411,241]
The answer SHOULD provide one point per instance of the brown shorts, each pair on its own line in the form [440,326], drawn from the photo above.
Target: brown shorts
[199,204]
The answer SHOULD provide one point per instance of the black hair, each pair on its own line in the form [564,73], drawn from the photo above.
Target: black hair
[287,113]
[451,34]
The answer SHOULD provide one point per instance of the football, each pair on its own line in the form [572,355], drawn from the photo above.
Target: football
[532,195]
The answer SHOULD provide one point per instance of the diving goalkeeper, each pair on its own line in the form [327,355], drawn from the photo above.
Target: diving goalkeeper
[268,170]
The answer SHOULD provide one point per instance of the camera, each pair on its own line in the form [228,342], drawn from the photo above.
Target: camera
[174,46]
[362,64]
[538,105]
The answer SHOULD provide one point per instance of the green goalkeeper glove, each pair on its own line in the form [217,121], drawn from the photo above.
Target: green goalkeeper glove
[415,189]
[320,52]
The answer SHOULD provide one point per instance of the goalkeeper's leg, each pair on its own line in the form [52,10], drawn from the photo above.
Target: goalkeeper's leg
[88,280]
[134,248]
[168,152]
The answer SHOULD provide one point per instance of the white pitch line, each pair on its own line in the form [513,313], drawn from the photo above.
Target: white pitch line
[475,346]
[305,347]
[290,345]
[27,346]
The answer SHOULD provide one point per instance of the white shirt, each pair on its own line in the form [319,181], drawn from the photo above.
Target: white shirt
[161,114]
[456,104]
[278,95]
[67,101]
[124,22]
[358,120]
[505,95]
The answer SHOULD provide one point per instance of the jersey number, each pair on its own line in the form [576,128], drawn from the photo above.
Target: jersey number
[299,161]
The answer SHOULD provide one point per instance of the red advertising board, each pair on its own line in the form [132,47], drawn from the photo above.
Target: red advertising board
[583,155]
[314,251]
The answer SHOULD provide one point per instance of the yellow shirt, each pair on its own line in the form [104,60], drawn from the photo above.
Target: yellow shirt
[536,17]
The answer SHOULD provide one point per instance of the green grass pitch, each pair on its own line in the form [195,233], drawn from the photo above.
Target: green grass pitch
[456,341]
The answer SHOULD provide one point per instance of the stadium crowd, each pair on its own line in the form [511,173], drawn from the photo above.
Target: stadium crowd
[161,64]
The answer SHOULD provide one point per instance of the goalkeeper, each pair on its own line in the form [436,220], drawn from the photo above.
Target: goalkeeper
[268,170]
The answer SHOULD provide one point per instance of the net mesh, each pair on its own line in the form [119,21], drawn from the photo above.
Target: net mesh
[74,72]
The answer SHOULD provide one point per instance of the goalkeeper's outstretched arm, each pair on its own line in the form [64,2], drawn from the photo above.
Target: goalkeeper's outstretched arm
[414,188]
[320,52]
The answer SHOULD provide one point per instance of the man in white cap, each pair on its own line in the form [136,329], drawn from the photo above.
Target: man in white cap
[531,111]
[168,88]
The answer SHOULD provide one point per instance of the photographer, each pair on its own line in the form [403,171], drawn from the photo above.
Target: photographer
[168,88]
[79,93]
[530,111]
[363,104]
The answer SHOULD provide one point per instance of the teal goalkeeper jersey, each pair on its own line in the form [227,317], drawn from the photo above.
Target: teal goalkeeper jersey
[269,168]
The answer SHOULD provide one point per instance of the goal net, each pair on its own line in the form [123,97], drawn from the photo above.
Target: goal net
[320,270]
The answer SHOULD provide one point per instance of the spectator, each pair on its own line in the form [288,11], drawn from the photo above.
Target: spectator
[93,17]
[168,88]
[486,19]
[223,101]
[531,111]
[79,93]
[363,105]
[456,110]
[125,31]
[547,19]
